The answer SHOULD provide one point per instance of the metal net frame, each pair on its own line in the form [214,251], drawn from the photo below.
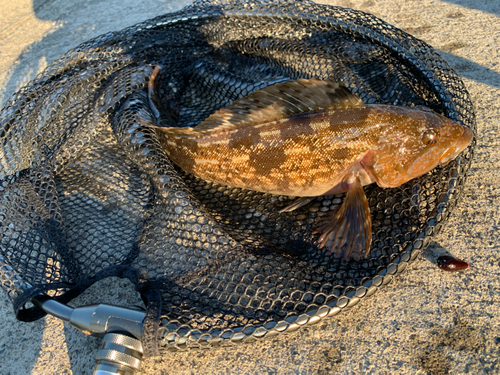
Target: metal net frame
[86,192]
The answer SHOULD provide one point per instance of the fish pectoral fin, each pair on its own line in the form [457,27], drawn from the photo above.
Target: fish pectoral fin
[347,231]
[302,201]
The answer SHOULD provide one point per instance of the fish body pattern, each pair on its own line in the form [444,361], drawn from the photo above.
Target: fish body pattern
[309,138]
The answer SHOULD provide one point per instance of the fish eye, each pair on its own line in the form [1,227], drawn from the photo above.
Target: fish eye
[430,137]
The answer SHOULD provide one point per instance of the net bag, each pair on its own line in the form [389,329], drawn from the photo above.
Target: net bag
[86,192]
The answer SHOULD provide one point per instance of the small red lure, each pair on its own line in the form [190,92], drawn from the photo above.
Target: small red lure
[451,264]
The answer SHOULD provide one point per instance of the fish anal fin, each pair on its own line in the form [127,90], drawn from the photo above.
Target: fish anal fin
[302,201]
[283,99]
[347,231]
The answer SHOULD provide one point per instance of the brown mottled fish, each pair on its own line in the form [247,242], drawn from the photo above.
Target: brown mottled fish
[312,137]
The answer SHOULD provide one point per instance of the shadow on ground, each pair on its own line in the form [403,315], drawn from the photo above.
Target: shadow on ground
[74,23]
[483,6]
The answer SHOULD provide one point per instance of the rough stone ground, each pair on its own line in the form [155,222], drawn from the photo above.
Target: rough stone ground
[426,322]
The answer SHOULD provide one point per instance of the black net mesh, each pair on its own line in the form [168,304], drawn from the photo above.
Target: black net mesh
[86,192]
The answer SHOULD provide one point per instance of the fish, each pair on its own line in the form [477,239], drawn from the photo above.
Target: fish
[311,137]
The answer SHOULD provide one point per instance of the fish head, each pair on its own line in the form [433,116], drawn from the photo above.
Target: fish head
[416,145]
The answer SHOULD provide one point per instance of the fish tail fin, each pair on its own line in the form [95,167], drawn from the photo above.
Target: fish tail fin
[153,89]
[171,133]
[163,111]
[347,231]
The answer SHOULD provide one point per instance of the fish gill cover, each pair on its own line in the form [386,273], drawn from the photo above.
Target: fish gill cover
[86,191]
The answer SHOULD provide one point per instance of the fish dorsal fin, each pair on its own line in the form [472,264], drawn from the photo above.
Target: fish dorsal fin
[283,99]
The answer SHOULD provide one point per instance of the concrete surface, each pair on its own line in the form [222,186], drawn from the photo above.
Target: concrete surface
[426,322]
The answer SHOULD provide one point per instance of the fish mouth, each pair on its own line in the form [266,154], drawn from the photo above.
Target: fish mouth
[462,143]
